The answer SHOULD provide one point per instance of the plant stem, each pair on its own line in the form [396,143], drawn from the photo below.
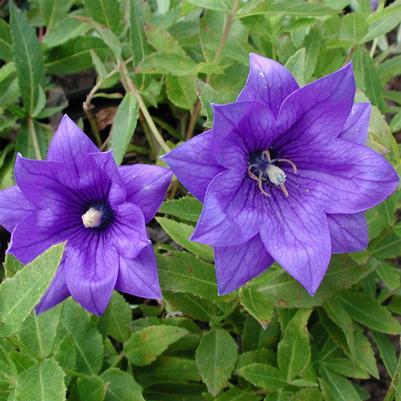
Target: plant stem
[34,138]
[131,86]
[226,32]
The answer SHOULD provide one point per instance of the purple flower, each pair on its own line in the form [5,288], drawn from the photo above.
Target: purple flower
[284,176]
[79,195]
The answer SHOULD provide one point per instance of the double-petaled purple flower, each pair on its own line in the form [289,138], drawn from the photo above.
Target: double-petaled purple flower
[79,195]
[284,176]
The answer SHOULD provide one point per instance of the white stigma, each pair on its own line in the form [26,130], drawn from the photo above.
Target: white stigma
[92,218]
[276,175]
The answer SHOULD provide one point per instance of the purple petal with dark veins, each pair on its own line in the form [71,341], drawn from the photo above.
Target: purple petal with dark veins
[70,145]
[349,232]
[14,207]
[194,164]
[233,211]
[91,270]
[357,125]
[235,265]
[297,236]
[240,129]
[146,186]
[139,276]
[268,81]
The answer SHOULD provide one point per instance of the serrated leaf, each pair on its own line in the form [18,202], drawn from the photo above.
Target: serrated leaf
[180,233]
[123,126]
[145,345]
[216,357]
[337,388]
[65,30]
[186,208]
[181,90]
[137,39]
[216,5]
[28,58]
[383,21]
[11,265]
[41,382]
[236,394]
[6,48]
[257,305]
[296,64]
[105,12]
[121,386]
[387,352]
[91,388]
[264,376]
[294,351]
[53,11]
[21,293]
[166,63]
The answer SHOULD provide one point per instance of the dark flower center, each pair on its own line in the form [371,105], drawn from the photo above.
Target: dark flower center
[97,215]
[263,169]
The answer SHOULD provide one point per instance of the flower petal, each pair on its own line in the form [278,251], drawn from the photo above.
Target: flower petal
[14,207]
[268,81]
[70,145]
[56,292]
[139,276]
[318,110]
[240,129]
[91,270]
[235,265]
[40,230]
[349,232]
[350,178]
[357,125]
[146,186]
[194,164]
[99,179]
[127,231]
[47,184]
[297,236]
[233,211]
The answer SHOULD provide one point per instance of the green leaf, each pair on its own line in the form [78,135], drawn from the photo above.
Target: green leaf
[168,369]
[296,64]
[21,293]
[264,376]
[388,245]
[383,21]
[180,232]
[121,386]
[365,355]
[395,123]
[115,321]
[216,5]
[337,388]
[123,127]
[390,275]
[387,352]
[308,394]
[353,27]
[41,382]
[91,388]
[166,63]
[313,43]
[145,345]
[259,355]
[236,394]
[186,208]
[38,333]
[6,48]
[367,311]
[181,90]
[137,37]
[294,351]
[53,11]
[105,12]
[8,371]
[216,357]
[75,55]
[11,265]
[257,305]
[87,340]
[65,30]
[163,41]
[373,85]
[28,58]
[182,272]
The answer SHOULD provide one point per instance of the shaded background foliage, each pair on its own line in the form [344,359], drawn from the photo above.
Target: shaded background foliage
[129,71]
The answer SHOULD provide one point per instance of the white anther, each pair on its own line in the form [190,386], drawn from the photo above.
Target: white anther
[276,175]
[92,218]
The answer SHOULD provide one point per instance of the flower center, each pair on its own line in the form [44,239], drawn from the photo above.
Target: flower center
[97,215]
[262,168]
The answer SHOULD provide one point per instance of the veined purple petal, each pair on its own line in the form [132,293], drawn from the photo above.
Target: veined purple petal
[268,81]
[99,179]
[317,111]
[146,186]
[235,265]
[91,269]
[70,145]
[233,211]
[297,236]
[14,207]
[139,276]
[56,292]
[47,184]
[194,164]
[350,178]
[357,125]
[41,229]
[127,230]
[348,232]
[240,129]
